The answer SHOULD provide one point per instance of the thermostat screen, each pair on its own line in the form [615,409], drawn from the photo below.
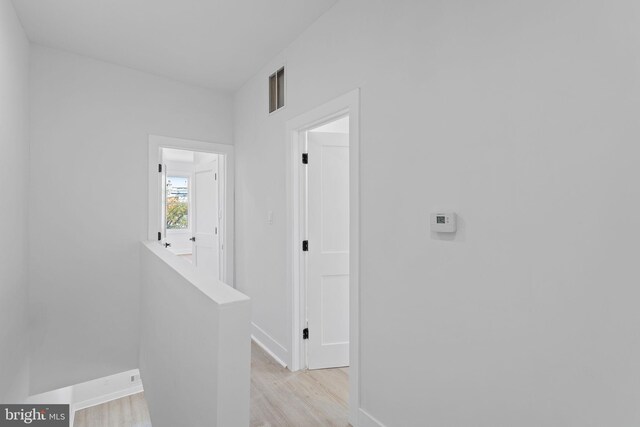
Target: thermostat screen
[440,219]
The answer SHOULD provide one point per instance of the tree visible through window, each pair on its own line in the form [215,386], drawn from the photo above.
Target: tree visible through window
[177,194]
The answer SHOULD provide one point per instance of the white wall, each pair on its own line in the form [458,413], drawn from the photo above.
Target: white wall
[523,118]
[195,353]
[14,178]
[90,123]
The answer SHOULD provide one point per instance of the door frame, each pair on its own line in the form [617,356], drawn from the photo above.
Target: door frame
[156,143]
[347,104]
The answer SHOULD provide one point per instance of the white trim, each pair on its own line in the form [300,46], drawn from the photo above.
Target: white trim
[98,400]
[157,142]
[269,352]
[368,420]
[270,345]
[98,391]
[345,104]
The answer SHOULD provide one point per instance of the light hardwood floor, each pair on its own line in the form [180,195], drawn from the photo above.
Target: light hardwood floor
[279,398]
[130,411]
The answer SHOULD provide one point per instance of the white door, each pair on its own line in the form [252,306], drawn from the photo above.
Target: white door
[328,250]
[206,227]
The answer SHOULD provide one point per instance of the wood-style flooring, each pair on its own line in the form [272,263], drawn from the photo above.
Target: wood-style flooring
[130,411]
[279,398]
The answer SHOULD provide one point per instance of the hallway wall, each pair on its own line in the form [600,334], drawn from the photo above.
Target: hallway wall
[90,122]
[14,182]
[523,118]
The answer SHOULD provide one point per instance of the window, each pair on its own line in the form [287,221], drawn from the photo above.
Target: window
[177,194]
[276,90]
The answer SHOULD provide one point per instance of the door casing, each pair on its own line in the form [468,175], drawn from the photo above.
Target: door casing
[156,143]
[347,104]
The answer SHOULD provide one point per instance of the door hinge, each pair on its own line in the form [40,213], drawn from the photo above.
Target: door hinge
[215,176]
[159,168]
[305,245]
[159,235]
[305,158]
[305,334]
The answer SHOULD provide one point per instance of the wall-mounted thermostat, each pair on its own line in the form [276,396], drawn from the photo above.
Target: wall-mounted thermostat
[443,222]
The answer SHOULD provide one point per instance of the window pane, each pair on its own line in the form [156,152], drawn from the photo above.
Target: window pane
[281,88]
[177,203]
[272,94]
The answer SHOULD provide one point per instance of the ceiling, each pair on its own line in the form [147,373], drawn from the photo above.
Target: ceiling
[218,44]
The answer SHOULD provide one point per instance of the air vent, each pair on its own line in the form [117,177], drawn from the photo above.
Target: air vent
[276,90]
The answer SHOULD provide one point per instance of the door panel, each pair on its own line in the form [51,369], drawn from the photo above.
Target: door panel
[206,227]
[328,256]
[334,309]
[335,198]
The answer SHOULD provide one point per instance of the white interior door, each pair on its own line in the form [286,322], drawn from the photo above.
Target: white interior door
[206,224]
[328,254]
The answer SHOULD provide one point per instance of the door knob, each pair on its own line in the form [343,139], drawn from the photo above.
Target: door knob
[193,239]
[166,245]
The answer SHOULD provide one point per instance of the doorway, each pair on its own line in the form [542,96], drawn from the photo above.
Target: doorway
[190,211]
[324,242]
[193,206]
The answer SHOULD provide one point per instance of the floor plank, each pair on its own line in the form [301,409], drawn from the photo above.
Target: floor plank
[129,411]
[279,398]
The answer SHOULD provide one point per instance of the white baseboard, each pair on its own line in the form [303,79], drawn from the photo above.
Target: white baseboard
[99,400]
[269,345]
[368,420]
[106,389]
[92,393]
